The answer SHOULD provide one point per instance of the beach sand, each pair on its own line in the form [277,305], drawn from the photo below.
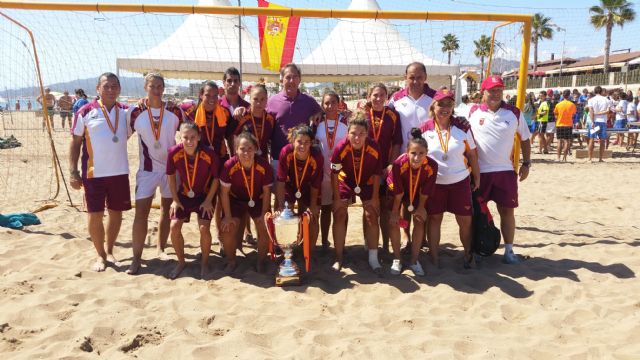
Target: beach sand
[574,297]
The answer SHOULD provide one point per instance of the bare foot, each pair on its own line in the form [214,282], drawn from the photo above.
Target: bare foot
[176,272]
[204,271]
[134,267]
[229,268]
[111,259]
[337,266]
[99,266]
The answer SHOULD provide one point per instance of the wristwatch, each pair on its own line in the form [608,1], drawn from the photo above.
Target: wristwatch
[526,164]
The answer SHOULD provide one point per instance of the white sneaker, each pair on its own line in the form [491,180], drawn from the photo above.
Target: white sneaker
[396,267]
[417,269]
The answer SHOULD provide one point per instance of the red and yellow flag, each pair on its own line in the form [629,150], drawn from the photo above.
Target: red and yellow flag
[278,36]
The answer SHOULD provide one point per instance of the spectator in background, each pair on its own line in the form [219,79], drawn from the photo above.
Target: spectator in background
[564,112]
[81,100]
[530,111]
[17,105]
[48,101]
[598,111]
[542,117]
[463,108]
[342,106]
[553,98]
[621,118]
[29,105]
[66,105]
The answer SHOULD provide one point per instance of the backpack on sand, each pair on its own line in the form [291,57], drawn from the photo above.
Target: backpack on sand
[486,236]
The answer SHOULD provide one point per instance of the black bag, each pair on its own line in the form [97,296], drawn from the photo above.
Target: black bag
[486,236]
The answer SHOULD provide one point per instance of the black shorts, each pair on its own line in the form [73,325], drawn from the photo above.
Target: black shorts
[541,127]
[564,132]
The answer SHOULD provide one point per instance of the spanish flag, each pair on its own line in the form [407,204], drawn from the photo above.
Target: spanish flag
[277,38]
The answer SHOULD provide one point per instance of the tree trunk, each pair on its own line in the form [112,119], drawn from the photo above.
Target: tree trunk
[535,55]
[449,57]
[607,46]
[481,69]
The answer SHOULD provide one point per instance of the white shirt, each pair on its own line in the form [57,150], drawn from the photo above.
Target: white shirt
[154,159]
[631,112]
[455,168]
[321,136]
[413,113]
[494,134]
[599,104]
[100,155]
[621,110]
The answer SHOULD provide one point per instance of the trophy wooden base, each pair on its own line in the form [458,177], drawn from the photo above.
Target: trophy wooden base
[287,280]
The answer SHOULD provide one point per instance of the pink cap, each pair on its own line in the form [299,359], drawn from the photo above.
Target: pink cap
[549,92]
[491,82]
[443,94]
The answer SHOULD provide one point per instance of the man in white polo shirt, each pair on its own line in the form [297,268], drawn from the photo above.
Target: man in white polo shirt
[156,125]
[412,102]
[100,131]
[495,124]
[597,129]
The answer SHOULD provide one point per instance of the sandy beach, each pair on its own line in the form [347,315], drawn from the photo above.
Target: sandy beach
[574,297]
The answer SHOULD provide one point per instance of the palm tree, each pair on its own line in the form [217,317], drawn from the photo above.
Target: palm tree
[611,12]
[540,29]
[483,46]
[450,44]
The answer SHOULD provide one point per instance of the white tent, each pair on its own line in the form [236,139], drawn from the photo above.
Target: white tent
[359,49]
[203,47]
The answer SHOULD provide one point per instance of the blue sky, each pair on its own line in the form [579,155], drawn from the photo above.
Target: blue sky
[76,45]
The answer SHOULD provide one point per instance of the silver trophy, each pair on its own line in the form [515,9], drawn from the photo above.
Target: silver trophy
[286,231]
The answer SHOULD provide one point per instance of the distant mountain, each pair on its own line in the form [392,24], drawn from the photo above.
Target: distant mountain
[131,86]
[498,65]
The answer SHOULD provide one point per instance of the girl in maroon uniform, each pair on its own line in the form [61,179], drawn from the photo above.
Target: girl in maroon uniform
[410,182]
[355,164]
[246,181]
[385,130]
[300,174]
[198,167]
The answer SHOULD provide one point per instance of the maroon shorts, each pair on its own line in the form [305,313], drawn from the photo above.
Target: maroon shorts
[110,190]
[346,192]
[191,205]
[454,198]
[290,197]
[501,187]
[239,208]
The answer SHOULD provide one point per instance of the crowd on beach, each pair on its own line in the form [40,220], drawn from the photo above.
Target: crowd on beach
[409,156]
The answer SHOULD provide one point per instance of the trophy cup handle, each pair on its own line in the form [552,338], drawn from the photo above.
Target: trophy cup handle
[306,246]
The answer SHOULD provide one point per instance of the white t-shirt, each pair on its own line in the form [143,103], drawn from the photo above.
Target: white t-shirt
[413,113]
[100,155]
[599,104]
[621,110]
[321,136]
[154,159]
[455,168]
[631,112]
[494,134]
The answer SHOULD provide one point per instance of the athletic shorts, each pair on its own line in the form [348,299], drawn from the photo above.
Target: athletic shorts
[601,133]
[454,198]
[191,205]
[551,127]
[564,132]
[541,127]
[290,197]
[500,187]
[112,191]
[66,114]
[620,124]
[326,193]
[147,182]
[239,208]
[366,192]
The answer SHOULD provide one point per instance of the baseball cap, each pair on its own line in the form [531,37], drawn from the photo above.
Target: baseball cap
[443,94]
[549,92]
[491,82]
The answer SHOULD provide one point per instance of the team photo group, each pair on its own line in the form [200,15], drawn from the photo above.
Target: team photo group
[407,156]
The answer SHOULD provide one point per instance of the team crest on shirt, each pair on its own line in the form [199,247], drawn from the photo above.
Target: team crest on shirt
[274,26]
[481,121]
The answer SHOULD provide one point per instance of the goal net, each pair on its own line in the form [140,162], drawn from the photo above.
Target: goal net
[344,54]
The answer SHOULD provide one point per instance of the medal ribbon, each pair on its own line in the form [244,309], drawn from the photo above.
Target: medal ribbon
[358,175]
[413,188]
[191,179]
[246,182]
[106,116]
[443,143]
[156,129]
[304,171]
[376,135]
[255,128]
[331,140]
